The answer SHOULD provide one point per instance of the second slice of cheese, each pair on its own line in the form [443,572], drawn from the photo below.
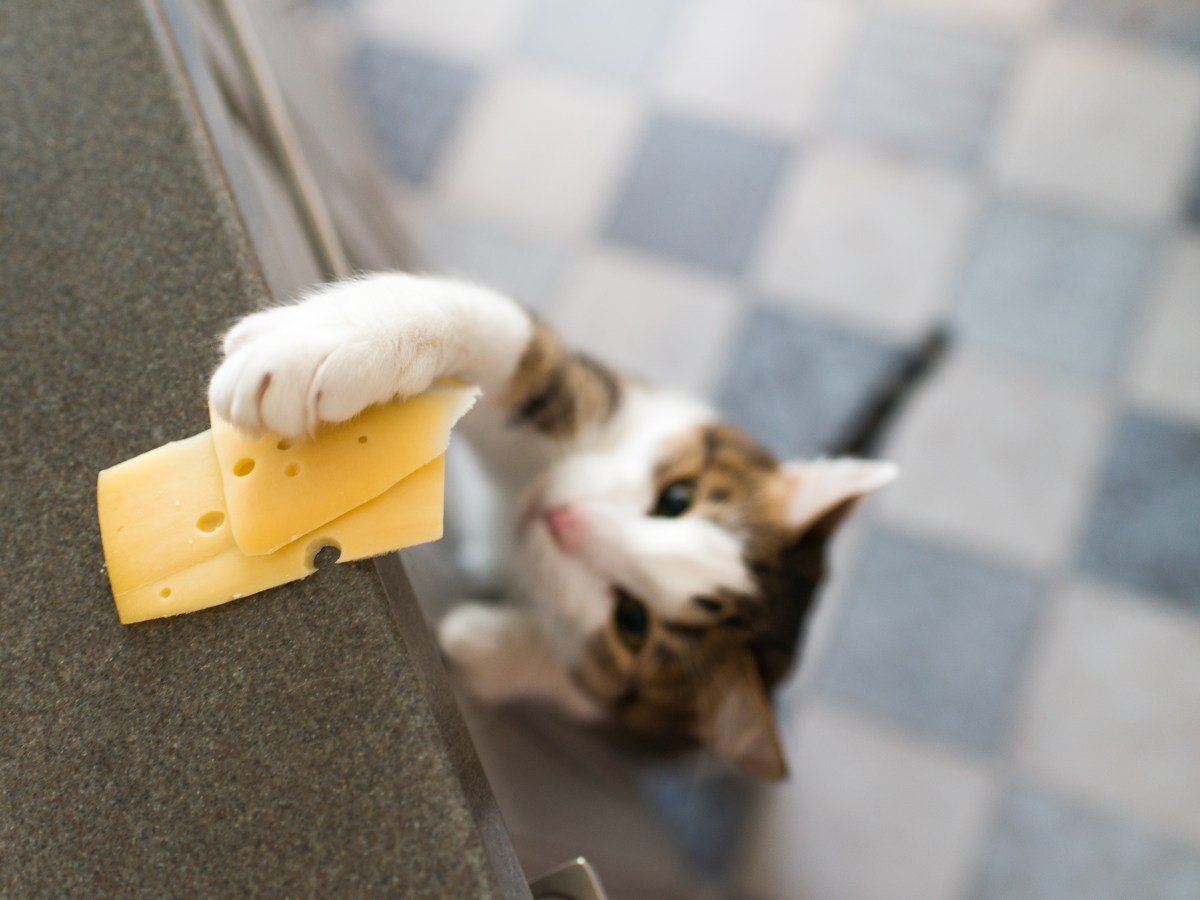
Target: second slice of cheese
[277,490]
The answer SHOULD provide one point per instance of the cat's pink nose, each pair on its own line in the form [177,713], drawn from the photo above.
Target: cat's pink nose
[566,526]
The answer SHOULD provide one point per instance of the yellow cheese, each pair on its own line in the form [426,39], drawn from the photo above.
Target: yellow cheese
[277,490]
[169,545]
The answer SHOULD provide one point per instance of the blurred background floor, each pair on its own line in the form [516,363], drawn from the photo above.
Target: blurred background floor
[767,202]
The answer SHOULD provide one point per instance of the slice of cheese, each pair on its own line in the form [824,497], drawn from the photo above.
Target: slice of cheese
[170,548]
[277,490]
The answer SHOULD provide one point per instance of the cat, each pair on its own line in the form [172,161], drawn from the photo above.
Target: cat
[665,562]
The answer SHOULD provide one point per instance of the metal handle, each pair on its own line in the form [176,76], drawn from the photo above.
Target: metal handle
[576,880]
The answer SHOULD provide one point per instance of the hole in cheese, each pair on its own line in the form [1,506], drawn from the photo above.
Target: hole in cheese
[362,438]
[211,521]
[291,470]
[285,444]
[324,553]
[165,593]
[243,467]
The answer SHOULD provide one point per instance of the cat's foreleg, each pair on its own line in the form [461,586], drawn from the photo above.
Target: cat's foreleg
[499,654]
[354,343]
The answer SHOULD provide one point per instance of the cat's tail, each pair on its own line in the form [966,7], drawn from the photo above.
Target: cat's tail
[870,424]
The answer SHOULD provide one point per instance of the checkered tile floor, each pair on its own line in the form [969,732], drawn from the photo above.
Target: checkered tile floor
[767,202]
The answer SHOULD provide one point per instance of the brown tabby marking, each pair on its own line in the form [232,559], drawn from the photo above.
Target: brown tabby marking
[559,393]
[730,470]
[663,684]
[655,689]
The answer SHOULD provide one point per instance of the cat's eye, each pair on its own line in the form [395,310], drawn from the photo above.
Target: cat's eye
[631,620]
[675,499]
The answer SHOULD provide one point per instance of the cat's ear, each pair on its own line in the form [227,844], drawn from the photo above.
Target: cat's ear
[737,721]
[821,492]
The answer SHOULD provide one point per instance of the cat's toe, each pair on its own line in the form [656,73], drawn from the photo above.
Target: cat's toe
[266,384]
[350,378]
[224,394]
[282,376]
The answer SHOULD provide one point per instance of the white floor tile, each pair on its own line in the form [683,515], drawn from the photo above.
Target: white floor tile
[999,458]
[526,268]
[610,38]
[466,29]
[762,63]
[867,238]
[1110,126]
[1165,366]
[868,813]
[540,151]
[1113,711]
[1003,14]
[650,318]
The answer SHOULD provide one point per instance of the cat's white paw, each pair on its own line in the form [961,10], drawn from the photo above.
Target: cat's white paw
[273,380]
[499,654]
[473,638]
[291,368]
[486,648]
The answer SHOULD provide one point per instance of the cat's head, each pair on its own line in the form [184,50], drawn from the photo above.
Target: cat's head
[677,566]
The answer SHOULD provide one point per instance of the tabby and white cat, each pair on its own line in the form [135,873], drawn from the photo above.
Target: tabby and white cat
[665,563]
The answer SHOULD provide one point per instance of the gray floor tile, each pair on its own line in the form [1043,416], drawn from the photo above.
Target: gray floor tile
[933,639]
[1045,849]
[797,382]
[1053,287]
[924,89]
[697,192]
[706,815]
[620,38]
[414,100]
[1144,527]
[1172,23]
